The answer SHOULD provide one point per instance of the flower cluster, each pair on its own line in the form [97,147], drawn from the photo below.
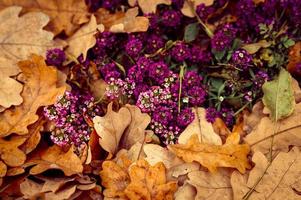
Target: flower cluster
[55,57]
[70,114]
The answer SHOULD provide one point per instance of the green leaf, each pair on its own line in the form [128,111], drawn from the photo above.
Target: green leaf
[191,32]
[279,96]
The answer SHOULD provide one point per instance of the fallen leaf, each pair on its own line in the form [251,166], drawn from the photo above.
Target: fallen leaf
[30,189]
[39,90]
[15,171]
[85,33]
[278,182]
[297,90]
[294,58]
[10,153]
[189,5]
[18,45]
[150,6]
[251,120]
[130,22]
[254,47]
[279,96]
[3,169]
[212,156]
[111,127]
[211,186]
[286,134]
[64,16]
[55,158]
[107,18]
[135,132]
[203,129]
[187,192]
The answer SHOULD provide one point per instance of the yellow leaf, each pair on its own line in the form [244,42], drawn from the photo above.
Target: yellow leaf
[40,89]
[254,47]
[150,6]
[213,156]
[281,180]
[85,33]
[10,153]
[187,9]
[130,22]
[64,15]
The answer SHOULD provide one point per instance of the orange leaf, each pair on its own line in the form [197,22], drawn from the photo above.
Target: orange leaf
[40,89]
[10,153]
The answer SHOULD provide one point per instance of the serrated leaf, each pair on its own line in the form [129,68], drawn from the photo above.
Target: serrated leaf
[279,96]
[191,32]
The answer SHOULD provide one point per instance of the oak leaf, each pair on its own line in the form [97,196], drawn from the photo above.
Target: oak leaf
[189,5]
[150,6]
[65,15]
[139,181]
[286,134]
[186,191]
[18,44]
[202,128]
[211,186]
[281,180]
[10,153]
[213,156]
[121,129]
[130,22]
[40,89]
[55,158]
[85,33]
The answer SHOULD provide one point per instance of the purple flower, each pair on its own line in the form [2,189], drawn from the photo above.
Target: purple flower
[109,71]
[223,38]
[158,71]
[133,47]
[55,57]
[196,95]
[212,114]
[260,78]
[171,18]
[242,59]
[204,11]
[163,115]
[185,117]
[197,55]
[192,78]
[227,115]
[106,40]
[178,4]
[154,43]
[180,52]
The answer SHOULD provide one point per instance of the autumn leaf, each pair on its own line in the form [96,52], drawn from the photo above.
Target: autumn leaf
[140,181]
[65,15]
[10,153]
[187,9]
[213,156]
[3,169]
[55,158]
[128,125]
[294,58]
[85,33]
[287,133]
[130,23]
[202,128]
[18,45]
[279,96]
[211,186]
[39,90]
[254,47]
[149,6]
[281,180]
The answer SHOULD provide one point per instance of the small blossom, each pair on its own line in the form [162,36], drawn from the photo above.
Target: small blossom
[55,57]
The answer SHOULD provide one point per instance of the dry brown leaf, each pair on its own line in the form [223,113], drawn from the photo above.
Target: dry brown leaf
[85,33]
[213,156]
[18,44]
[251,120]
[140,181]
[106,18]
[150,6]
[211,186]
[39,90]
[111,127]
[64,15]
[10,153]
[282,180]
[3,169]
[135,132]
[203,129]
[294,58]
[30,189]
[15,171]
[55,158]
[186,191]
[121,129]
[187,10]
[254,47]
[297,90]
[287,133]
[130,22]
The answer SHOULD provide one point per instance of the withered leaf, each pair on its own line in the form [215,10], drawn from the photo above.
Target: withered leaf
[150,6]
[10,90]
[10,153]
[294,58]
[203,129]
[85,33]
[64,15]
[3,169]
[192,4]
[55,158]
[287,133]
[254,47]
[280,181]
[130,22]
[213,156]
[39,90]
